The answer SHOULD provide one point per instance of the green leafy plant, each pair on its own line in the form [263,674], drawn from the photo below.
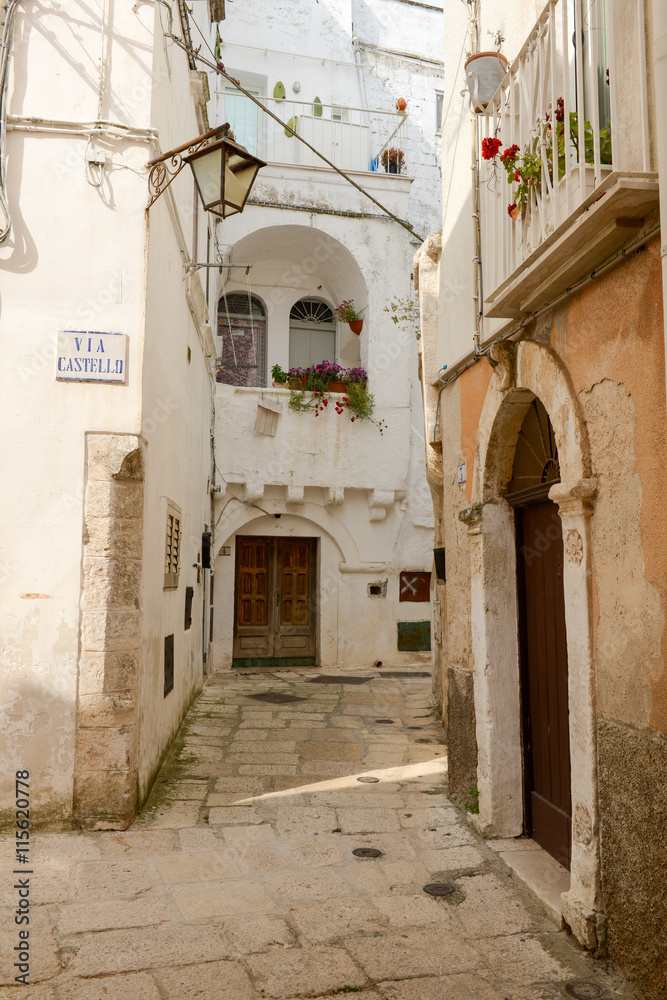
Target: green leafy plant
[278,375]
[472,804]
[405,312]
[525,168]
[310,392]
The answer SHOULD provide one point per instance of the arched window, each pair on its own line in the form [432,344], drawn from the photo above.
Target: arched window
[242,331]
[312,333]
[536,456]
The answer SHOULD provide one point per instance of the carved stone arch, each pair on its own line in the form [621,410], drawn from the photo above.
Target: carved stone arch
[528,370]
[525,372]
[317,515]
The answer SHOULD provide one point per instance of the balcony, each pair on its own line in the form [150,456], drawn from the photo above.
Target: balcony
[580,132]
[351,138]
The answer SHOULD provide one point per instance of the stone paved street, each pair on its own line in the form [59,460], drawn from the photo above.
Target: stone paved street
[238,882]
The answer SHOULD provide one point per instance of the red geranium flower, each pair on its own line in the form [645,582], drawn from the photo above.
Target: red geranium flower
[509,155]
[490,148]
[511,210]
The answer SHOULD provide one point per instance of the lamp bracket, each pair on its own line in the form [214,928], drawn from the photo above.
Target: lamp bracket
[165,168]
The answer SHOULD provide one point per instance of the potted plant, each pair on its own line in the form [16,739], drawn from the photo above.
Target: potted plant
[524,168]
[279,377]
[311,388]
[347,313]
[392,160]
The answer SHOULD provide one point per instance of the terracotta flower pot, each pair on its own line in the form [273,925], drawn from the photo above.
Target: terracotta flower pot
[336,386]
[356,325]
[280,385]
[296,383]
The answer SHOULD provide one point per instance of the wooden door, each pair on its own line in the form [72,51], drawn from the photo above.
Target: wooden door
[253,627]
[275,607]
[295,635]
[544,681]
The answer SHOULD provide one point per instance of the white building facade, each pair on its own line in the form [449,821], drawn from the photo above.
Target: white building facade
[348,503]
[105,483]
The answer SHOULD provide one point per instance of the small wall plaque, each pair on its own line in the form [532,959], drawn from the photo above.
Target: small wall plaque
[461,473]
[91,356]
[226,550]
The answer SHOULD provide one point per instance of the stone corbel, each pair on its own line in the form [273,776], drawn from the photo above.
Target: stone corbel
[432,248]
[252,492]
[379,502]
[334,496]
[574,498]
[472,516]
[502,357]
[294,494]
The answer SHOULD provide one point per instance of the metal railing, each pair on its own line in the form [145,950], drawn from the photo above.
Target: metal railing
[554,114]
[352,138]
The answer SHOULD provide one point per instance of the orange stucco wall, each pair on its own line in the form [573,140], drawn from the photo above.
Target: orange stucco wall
[473,385]
[617,333]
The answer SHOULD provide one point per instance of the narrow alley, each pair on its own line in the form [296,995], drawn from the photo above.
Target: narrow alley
[240,880]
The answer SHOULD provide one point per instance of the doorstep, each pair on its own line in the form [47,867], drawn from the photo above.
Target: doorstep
[536,870]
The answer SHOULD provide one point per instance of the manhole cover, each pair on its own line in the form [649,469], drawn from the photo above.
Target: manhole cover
[367,852]
[368,780]
[341,679]
[439,889]
[275,698]
[405,673]
[584,991]
[385,722]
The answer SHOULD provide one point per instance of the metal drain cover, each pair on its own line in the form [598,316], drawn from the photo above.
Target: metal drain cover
[385,722]
[368,780]
[439,889]
[275,697]
[405,673]
[338,679]
[584,991]
[367,852]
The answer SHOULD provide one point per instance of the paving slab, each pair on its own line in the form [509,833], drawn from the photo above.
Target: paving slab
[239,882]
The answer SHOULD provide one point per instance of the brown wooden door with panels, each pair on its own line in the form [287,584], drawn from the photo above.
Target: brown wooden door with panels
[275,619]
[543,638]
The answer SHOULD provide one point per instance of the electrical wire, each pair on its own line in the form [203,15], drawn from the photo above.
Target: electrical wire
[5,51]
[217,68]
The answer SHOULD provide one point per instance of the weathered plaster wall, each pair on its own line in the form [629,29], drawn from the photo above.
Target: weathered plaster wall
[78,257]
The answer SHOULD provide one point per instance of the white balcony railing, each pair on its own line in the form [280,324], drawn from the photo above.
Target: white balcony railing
[555,103]
[352,138]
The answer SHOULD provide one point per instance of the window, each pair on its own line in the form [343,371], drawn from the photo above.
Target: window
[439,102]
[189,594]
[312,333]
[168,664]
[241,113]
[172,550]
[414,587]
[242,332]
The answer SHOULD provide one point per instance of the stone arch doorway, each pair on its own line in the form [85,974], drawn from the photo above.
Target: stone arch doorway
[526,372]
[543,682]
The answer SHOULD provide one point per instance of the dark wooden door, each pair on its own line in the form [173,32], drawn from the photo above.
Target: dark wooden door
[253,628]
[544,683]
[276,610]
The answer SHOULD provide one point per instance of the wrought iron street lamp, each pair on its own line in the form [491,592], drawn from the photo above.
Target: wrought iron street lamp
[224,171]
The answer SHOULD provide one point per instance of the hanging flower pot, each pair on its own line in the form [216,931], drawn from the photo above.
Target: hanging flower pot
[356,326]
[485,71]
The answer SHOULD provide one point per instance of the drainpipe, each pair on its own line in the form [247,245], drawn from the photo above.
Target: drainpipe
[660,88]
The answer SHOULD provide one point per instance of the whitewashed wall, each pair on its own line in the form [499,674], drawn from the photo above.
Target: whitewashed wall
[88,257]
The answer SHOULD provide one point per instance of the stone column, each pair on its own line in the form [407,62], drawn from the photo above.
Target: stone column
[105,774]
[582,904]
[494,616]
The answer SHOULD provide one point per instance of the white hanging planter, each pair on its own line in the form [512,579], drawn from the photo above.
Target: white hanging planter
[485,71]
